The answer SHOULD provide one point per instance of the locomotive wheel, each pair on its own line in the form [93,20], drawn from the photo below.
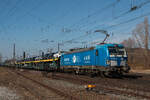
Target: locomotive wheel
[119,74]
[101,73]
[76,72]
[106,74]
[92,75]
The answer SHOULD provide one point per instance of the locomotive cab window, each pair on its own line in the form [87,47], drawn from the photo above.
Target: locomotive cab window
[116,50]
[96,52]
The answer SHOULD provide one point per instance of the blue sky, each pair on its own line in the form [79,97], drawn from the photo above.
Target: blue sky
[35,25]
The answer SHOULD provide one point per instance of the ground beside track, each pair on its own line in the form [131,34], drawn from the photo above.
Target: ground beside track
[24,89]
[21,89]
[27,90]
[141,71]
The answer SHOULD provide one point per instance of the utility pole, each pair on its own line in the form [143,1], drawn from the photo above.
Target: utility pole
[14,54]
[42,54]
[146,32]
[14,51]
[146,41]
[0,58]
[58,47]
[24,55]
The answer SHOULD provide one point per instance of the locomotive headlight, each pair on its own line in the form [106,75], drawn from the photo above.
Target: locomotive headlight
[108,62]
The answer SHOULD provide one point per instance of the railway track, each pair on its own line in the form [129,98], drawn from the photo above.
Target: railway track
[107,89]
[28,89]
[56,91]
[101,88]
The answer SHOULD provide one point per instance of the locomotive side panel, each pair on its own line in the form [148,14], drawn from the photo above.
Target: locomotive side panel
[100,57]
[84,58]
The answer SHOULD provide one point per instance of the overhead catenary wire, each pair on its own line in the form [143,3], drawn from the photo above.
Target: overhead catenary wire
[13,7]
[58,19]
[9,11]
[90,15]
[136,7]
[38,4]
[130,20]
[95,13]
[125,13]
[76,37]
[124,22]
[4,6]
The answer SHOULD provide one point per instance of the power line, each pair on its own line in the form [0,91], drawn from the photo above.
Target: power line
[13,11]
[38,18]
[13,8]
[38,4]
[90,15]
[21,17]
[133,8]
[9,13]
[125,13]
[124,22]
[5,3]
[95,13]
[139,6]
[130,20]
[49,23]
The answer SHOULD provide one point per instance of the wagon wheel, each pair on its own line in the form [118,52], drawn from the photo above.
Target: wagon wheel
[92,75]
[44,73]
[76,72]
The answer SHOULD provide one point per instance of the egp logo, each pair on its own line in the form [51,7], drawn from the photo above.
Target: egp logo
[74,59]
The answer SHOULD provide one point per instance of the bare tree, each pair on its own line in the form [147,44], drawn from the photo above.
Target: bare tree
[140,39]
[129,43]
[141,35]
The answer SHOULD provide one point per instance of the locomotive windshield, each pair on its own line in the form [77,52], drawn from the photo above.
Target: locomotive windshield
[116,50]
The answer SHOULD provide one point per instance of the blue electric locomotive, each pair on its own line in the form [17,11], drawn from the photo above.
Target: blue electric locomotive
[106,58]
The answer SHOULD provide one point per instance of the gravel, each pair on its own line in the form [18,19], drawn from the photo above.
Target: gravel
[7,94]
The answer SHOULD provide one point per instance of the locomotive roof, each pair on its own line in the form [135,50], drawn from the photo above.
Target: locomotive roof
[80,50]
[107,45]
[91,48]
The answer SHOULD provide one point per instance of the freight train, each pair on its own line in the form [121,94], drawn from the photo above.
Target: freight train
[103,59]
